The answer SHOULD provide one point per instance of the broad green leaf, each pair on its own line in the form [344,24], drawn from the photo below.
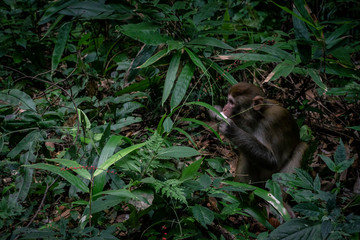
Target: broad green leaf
[196,60]
[144,32]
[308,209]
[89,10]
[190,171]
[182,85]
[306,180]
[281,70]
[123,193]
[26,143]
[203,215]
[54,8]
[124,122]
[357,128]
[64,174]
[17,97]
[60,43]
[116,157]
[315,76]
[23,183]
[344,165]
[226,75]
[258,215]
[107,151]
[177,152]
[331,165]
[264,195]
[171,76]
[154,58]
[297,229]
[209,41]
[168,124]
[76,167]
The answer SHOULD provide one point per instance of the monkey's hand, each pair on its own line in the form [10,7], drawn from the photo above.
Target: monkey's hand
[228,128]
[213,115]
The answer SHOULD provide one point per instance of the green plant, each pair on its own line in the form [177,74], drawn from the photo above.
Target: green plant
[321,216]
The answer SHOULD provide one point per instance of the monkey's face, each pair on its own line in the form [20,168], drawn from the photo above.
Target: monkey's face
[236,105]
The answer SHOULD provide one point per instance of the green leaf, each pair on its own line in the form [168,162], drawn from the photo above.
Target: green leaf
[315,76]
[331,165]
[64,174]
[116,157]
[344,165]
[196,60]
[190,171]
[186,134]
[144,32]
[168,124]
[182,85]
[171,76]
[271,50]
[60,43]
[76,167]
[177,152]
[203,215]
[264,195]
[26,143]
[306,180]
[308,209]
[209,41]
[123,193]
[250,57]
[202,124]
[297,229]
[208,106]
[281,70]
[154,58]
[205,181]
[340,153]
[16,97]
[226,75]
[83,119]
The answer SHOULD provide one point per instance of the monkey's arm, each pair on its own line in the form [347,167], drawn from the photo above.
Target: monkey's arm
[255,152]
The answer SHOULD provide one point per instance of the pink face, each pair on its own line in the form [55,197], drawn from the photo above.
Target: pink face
[227,110]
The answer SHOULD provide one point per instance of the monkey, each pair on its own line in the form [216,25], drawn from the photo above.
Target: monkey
[265,133]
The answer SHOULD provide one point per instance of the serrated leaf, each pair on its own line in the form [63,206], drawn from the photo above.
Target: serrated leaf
[306,180]
[182,85]
[340,153]
[203,215]
[168,124]
[331,165]
[297,229]
[308,209]
[171,76]
[344,165]
[177,152]
[64,174]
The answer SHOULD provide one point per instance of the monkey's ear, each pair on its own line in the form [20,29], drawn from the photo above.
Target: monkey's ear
[257,102]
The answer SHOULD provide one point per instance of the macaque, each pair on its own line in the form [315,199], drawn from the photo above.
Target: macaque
[265,133]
